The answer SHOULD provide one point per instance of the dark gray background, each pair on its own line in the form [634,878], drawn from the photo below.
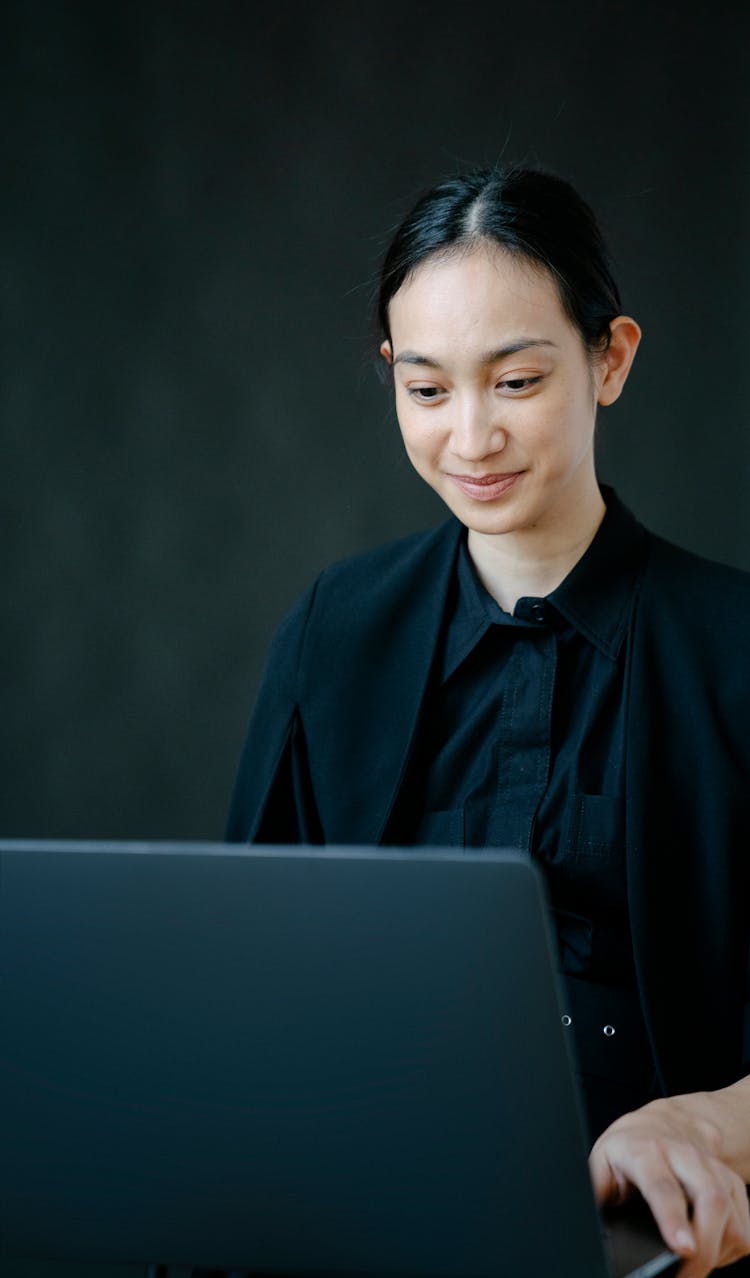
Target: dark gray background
[195,198]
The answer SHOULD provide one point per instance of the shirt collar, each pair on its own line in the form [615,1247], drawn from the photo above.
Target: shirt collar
[597,594]
[594,598]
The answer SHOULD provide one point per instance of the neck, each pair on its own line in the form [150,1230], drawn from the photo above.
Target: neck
[533,561]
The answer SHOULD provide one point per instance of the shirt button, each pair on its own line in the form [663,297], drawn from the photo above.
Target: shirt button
[538,610]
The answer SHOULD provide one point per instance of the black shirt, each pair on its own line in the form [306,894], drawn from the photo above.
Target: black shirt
[522,743]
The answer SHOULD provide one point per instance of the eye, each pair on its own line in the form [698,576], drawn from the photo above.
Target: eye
[424,394]
[517,384]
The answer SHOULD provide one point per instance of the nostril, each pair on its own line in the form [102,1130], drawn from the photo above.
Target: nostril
[477,443]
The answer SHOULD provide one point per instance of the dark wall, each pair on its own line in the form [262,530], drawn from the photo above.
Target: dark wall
[194,201]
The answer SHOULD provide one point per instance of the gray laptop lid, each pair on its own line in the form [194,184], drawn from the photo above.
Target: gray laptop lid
[296,1062]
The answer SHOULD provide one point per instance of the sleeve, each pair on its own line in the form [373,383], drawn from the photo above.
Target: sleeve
[273,799]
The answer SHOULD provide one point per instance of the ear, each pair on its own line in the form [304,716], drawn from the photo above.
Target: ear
[615,363]
[386,350]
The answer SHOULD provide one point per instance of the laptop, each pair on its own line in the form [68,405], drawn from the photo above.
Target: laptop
[290,1061]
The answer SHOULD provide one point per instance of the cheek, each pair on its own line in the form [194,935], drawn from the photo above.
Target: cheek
[421,450]
[414,431]
[570,417]
[418,448]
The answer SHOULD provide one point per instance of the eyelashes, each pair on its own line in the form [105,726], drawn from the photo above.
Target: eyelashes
[433,394]
[424,394]
[519,383]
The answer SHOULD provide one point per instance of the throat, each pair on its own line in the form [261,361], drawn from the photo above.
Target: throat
[513,567]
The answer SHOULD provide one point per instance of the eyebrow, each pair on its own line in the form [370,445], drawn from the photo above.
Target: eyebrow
[491,357]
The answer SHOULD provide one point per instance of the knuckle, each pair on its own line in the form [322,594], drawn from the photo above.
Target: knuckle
[666,1187]
[722,1173]
[717,1199]
[684,1148]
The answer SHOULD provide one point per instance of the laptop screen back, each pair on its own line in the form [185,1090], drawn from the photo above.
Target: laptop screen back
[298,1062]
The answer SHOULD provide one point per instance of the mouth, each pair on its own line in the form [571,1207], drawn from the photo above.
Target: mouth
[486,487]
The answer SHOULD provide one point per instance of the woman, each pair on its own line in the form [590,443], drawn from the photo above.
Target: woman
[543,673]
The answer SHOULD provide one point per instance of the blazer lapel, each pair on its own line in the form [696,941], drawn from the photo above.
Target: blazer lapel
[390,606]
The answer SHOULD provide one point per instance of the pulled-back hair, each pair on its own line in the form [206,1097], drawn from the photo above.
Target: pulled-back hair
[530,214]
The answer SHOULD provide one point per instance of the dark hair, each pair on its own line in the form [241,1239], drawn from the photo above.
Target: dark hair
[529,213]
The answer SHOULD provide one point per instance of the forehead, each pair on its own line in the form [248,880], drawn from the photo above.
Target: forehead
[481,294]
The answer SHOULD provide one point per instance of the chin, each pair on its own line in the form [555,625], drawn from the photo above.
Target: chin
[491,519]
[489,527]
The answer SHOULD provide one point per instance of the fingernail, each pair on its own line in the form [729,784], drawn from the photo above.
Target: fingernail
[685,1240]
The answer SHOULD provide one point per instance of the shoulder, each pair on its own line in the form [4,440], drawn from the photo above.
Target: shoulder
[388,568]
[376,585]
[692,615]
[681,575]
[675,575]
[363,613]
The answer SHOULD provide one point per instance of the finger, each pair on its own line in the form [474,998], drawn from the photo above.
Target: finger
[721,1221]
[736,1241]
[648,1169]
[670,1209]
[742,1208]
[671,1176]
[708,1184]
[610,1184]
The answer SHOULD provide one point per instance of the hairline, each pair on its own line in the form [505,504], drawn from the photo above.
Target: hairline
[464,244]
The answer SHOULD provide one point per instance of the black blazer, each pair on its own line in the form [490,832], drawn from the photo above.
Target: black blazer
[337,713]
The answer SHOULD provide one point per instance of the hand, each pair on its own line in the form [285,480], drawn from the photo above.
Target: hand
[668,1150]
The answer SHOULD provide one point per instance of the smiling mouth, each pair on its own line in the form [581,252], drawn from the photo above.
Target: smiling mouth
[486,487]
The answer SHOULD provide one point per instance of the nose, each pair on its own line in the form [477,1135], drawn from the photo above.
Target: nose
[476,432]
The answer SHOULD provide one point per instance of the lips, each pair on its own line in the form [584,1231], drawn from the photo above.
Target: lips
[486,487]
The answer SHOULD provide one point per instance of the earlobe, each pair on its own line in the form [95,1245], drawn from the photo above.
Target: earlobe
[625,335]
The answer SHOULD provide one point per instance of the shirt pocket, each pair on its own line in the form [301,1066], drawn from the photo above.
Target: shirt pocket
[596,828]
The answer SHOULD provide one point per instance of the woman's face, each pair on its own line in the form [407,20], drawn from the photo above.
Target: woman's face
[496,394]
